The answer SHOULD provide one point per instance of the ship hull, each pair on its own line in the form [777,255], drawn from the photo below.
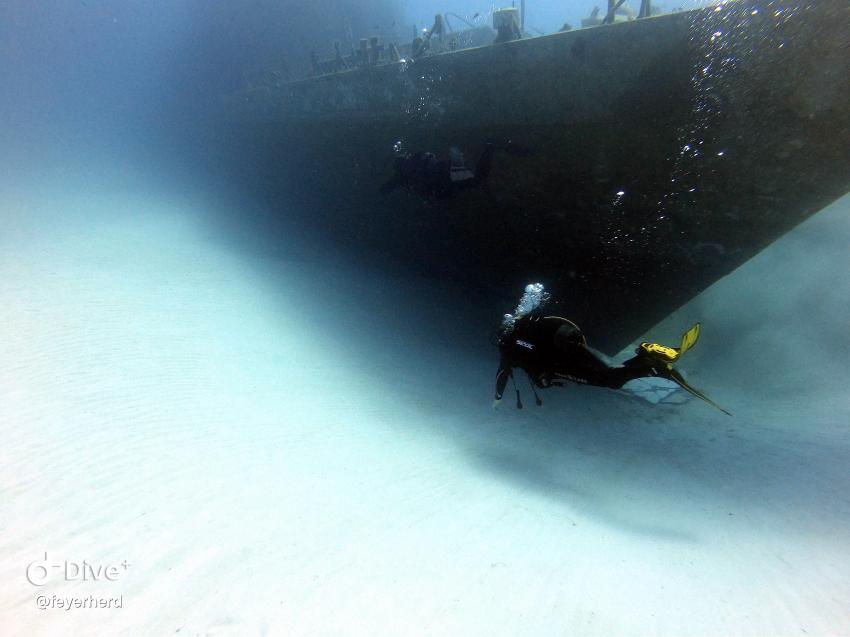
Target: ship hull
[643,160]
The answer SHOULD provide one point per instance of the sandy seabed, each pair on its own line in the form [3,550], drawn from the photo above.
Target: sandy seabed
[263,441]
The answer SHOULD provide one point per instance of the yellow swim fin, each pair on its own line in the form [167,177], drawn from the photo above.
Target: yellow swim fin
[669,355]
[689,339]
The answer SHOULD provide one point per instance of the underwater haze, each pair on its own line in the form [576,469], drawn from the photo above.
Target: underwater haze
[219,419]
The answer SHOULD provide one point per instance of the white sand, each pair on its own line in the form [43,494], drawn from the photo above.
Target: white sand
[278,446]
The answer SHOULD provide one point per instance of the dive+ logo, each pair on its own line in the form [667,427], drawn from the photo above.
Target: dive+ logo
[39,572]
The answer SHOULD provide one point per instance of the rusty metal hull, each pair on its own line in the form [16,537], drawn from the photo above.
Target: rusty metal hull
[660,154]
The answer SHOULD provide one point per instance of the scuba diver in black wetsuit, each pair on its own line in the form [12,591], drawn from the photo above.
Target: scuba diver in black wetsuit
[552,350]
[429,176]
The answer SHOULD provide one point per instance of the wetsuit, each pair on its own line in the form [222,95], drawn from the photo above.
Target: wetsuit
[427,175]
[553,350]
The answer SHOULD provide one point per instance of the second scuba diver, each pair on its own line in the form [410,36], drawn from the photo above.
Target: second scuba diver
[427,175]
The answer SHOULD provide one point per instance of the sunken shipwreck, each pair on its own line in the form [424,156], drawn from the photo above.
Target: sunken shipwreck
[629,163]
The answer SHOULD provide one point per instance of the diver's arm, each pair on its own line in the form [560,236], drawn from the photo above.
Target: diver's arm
[482,168]
[502,377]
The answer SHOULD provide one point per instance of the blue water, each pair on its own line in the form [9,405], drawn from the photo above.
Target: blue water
[280,438]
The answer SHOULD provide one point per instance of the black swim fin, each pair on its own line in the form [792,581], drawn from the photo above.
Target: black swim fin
[677,378]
